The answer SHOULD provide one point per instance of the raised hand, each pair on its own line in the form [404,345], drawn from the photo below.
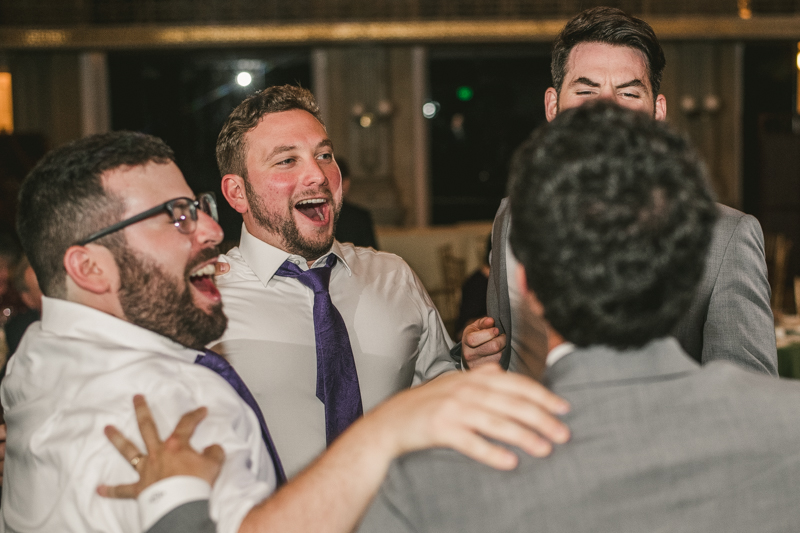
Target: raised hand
[173,457]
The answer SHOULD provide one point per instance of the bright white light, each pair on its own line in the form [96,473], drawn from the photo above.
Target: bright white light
[244,79]
[429,109]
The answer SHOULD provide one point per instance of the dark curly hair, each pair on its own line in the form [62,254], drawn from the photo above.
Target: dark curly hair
[62,200]
[613,26]
[612,219]
[231,147]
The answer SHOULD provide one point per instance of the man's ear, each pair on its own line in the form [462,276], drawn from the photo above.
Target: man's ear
[233,190]
[528,295]
[90,267]
[550,104]
[28,299]
[661,107]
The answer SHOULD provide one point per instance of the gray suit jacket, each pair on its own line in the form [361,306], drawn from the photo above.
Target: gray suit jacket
[659,444]
[190,517]
[730,317]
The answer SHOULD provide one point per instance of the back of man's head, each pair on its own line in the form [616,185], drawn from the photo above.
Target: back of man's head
[611,220]
[62,199]
[231,145]
[612,26]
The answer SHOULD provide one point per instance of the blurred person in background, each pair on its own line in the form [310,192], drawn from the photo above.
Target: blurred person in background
[10,253]
[24,281]
[355,223]
[473,293]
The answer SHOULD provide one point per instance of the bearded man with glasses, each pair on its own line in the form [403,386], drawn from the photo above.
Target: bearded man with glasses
[125,256]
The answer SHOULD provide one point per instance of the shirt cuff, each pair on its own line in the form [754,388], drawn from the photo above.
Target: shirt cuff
[163,496]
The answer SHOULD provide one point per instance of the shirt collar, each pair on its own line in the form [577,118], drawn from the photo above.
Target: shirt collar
[265,259]
[73,320]
[558,352]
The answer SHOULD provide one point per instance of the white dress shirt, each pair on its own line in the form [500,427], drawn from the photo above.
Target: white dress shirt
[77,371]
[558,353]
[396,335]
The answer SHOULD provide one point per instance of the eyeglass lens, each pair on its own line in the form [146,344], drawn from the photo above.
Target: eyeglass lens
[184,212]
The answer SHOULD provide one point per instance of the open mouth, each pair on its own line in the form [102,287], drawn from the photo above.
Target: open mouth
[315,209]
[202,279]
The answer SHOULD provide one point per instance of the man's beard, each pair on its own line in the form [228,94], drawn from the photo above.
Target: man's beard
[152,299]
[287,229]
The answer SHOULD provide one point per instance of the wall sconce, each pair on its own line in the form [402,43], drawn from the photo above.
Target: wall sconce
[745,12]
[710,104]
[366,117]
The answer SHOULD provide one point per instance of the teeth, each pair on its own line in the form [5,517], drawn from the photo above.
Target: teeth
[312,201]
[207,270]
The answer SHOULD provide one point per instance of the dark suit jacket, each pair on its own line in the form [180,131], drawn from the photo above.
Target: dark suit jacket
[659,444]
[730,318]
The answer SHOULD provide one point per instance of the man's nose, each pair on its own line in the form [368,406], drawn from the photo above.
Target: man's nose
[607,93]
[315,175]
[208,231]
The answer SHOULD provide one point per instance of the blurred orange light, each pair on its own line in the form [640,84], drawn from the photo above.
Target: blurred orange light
[6,110]
[745,12]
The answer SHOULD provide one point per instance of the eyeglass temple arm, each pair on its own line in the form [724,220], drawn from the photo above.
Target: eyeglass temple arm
[122,224]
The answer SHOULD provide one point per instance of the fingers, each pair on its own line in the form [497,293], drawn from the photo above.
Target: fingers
[188,423]
[119,491]
[215,453]
[481,450]
[511,428]
[146,425]
[480,332]
[125,447]
[474,360]
[3,432]
[482,343]
[508,382]
[221,268]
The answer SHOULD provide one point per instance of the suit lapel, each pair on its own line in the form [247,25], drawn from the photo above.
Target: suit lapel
[498,290]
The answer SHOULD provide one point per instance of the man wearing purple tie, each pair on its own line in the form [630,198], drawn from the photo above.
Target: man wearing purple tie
[320,331]
[125,254]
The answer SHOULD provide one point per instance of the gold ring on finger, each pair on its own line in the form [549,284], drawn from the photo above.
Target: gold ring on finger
[136,460]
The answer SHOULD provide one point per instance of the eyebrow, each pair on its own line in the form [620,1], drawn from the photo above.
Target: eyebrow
[633,83]
[279,150]
[586,81]
[288,148]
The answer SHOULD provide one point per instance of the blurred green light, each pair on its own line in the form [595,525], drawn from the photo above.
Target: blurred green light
[465,94]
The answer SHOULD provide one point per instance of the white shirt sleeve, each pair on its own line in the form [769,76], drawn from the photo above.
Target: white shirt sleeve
[434,342]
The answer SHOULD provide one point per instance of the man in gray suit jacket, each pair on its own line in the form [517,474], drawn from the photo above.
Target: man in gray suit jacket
[604,53]
[612,218]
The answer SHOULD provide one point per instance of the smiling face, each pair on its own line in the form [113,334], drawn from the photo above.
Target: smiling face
[611,72]
[293,185]
[166,277]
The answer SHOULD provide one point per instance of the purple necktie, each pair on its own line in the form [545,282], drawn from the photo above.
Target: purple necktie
[218,364]
[337,379]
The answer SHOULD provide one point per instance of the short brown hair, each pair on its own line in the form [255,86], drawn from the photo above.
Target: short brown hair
[62,200]
[613,26]
[231,148]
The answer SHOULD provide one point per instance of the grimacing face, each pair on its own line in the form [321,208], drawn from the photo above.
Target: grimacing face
[293,185]
[612,72]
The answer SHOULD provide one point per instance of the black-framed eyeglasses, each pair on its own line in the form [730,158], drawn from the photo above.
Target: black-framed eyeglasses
[182,210]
